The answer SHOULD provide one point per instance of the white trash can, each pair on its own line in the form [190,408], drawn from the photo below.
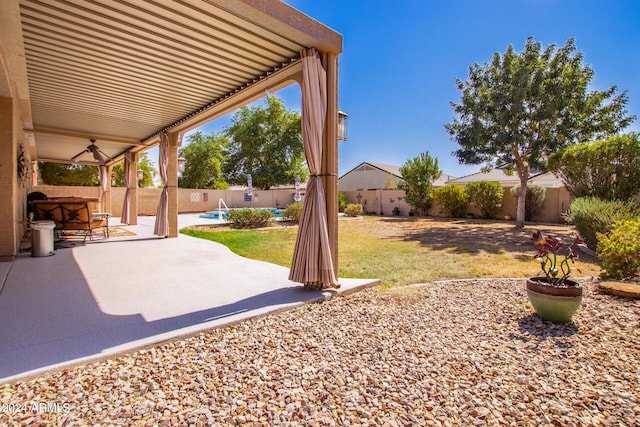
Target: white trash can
[42,238]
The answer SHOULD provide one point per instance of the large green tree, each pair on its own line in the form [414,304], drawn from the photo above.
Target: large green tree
[521,107]
[204,155]
[418,175]
[144,164]
[68,174]
[607,169]
[266,142]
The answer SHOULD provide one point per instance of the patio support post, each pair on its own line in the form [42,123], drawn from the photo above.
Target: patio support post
[330,154]
[172,183]
[107,192]
[133,189]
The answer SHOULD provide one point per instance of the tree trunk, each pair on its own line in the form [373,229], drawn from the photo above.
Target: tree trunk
[522,197]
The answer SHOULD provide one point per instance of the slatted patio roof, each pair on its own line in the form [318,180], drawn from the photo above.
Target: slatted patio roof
[120,71]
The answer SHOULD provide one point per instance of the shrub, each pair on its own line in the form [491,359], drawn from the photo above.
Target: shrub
[293,212]
[249,218]
[620,250]
[452,199]
[591,216]
[486,196]
[353,209]
[534,200]
[342,201]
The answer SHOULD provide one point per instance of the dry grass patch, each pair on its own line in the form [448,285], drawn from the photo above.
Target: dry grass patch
[402,251]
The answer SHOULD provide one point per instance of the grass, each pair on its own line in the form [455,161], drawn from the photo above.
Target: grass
[401,251]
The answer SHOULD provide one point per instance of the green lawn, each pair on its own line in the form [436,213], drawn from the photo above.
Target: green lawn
[379,248]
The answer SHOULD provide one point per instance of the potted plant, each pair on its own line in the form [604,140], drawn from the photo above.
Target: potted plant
[396,211]
[553,294]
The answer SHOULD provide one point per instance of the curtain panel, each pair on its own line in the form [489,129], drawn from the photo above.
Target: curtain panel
[312,262]
[161,227]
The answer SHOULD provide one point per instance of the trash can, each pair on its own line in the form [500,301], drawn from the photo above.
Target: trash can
[42,238]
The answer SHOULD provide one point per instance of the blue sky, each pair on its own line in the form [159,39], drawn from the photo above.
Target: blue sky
[400,60]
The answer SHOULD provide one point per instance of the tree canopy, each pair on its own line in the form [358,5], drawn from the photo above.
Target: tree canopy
[68,174]
[204,155]
[144,164]
[607,169]
[520,108]
[265,142]
[418,175]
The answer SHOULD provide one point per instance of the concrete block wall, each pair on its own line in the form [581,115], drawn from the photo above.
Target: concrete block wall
[189,200]
[382,202]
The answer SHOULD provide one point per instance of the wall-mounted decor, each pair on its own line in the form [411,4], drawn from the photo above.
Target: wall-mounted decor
[22,165]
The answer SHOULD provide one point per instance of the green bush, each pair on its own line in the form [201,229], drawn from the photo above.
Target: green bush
[249,218]
[452,199]
[342,201]
[534,200]
[486,196]
[592,216]
[353,209]
[293,212]
[620,250]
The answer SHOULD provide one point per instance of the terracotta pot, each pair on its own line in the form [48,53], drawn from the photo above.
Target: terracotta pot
[554,303]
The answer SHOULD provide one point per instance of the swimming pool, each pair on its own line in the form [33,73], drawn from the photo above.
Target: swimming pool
[277,213]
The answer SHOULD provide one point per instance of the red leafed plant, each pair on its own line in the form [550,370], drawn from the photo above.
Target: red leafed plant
[555,258]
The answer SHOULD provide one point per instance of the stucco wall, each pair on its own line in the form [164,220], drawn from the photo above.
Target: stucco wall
[382,202]
[189,200]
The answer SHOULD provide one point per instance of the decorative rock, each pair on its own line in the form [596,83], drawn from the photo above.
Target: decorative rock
[465,352]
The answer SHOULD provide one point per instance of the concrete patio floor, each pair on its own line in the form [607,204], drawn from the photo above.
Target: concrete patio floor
[112,296]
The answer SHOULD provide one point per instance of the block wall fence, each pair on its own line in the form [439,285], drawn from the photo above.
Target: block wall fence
[376,202]
[382,202]
[189,200]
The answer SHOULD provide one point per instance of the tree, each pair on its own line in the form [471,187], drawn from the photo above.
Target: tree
[204,156]
[266,143]
[534,200]
[68,174]
[144,164]
[607,169]
[418,175]
[521,107]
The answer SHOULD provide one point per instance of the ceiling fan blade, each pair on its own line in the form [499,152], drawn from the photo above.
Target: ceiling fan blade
[77,156]
[98,154]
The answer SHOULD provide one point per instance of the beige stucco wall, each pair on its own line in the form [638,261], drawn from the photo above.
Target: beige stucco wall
[382,202]
[189,200]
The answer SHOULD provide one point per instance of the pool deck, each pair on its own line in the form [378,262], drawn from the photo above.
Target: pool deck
[106,297]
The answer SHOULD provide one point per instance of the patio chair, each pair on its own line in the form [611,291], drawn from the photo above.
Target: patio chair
[78,216]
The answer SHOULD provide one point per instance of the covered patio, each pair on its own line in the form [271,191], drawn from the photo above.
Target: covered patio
[98,82]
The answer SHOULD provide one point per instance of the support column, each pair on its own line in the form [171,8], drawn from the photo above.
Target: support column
[330,154]
[8,182]
[133,189]
[172,183]
[107,192]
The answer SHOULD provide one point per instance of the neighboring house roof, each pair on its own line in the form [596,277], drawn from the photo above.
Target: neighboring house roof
[368,176]
[545,179]
[392,169]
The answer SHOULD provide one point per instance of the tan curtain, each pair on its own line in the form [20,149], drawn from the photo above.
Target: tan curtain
[312,263]
[162,215]
[126,206]
[103,188]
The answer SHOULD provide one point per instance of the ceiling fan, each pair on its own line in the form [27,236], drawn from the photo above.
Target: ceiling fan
[98,154]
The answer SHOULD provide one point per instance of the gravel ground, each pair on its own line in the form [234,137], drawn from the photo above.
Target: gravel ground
[448,353]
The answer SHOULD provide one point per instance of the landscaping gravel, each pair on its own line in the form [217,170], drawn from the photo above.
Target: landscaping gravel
[448,353]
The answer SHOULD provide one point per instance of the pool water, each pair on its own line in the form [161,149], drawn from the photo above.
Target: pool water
[277,213]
